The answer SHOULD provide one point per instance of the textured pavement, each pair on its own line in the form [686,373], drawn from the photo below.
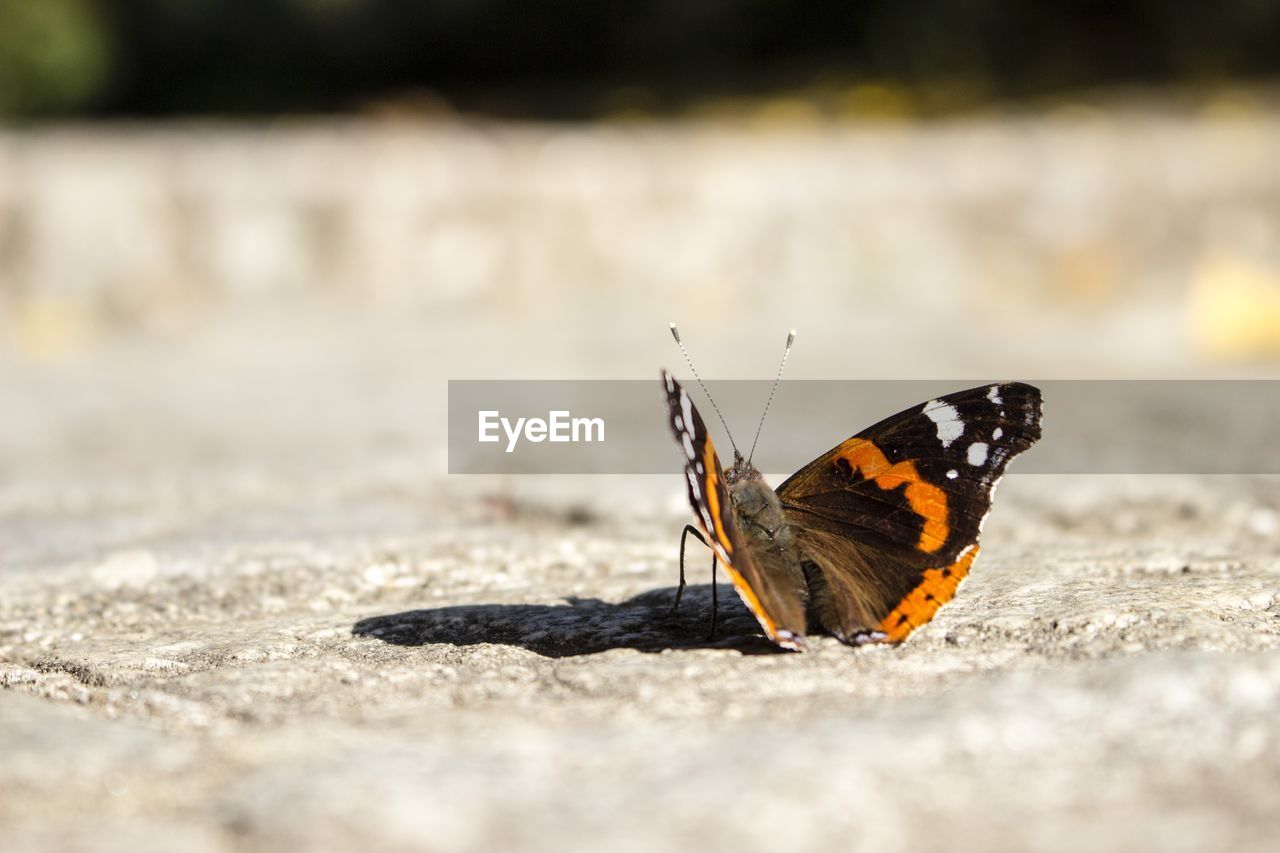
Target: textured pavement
[1108,676]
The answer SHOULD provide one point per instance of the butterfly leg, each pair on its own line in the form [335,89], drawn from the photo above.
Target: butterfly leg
[688,528]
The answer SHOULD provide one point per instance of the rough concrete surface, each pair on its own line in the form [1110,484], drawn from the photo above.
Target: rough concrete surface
[437,665]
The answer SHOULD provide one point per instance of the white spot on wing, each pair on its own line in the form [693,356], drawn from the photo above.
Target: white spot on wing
[952,474]
[993,394]
[694,488]
[671,383]
[688,445]
[686,406]
[996,434]
[679,422]
[947,419]
[978,453]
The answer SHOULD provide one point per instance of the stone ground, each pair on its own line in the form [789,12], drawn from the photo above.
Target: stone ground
[224,638]
[1109,678]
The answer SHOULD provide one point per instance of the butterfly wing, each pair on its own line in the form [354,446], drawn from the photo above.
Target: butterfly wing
[890,518]
[778,606]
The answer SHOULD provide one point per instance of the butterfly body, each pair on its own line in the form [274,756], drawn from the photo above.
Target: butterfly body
[870,539]
[774,551]
[758,510]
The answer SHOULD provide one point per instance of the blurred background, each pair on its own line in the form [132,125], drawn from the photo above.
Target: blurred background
[223,224]
[979,163]
[258,236]
[226,225]
[567,60]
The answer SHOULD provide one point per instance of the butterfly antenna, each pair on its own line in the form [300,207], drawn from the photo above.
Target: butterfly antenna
[791,336]
[675,333]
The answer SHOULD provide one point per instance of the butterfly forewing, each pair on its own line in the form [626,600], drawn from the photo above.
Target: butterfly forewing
[704,477]
[776,605]
[919,484]
[890,518]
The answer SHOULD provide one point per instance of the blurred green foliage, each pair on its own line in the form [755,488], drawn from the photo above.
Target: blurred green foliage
[53,55]
[562,58]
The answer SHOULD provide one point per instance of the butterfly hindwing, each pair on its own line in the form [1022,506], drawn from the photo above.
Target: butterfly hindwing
[890,518]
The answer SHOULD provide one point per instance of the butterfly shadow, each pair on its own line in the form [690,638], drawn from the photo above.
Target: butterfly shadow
[581,626]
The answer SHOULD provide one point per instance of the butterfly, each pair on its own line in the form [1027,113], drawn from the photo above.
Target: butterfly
[870,539]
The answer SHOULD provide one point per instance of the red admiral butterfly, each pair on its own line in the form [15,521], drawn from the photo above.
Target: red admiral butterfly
[869,539]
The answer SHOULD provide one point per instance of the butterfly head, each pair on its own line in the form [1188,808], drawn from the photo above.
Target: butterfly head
[741,471]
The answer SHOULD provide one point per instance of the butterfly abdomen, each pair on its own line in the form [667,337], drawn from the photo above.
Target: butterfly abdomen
[771,539]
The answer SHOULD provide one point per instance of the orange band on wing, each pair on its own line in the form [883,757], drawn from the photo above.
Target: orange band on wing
[712,483]
[752,601]
[925,499]
[936,588]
